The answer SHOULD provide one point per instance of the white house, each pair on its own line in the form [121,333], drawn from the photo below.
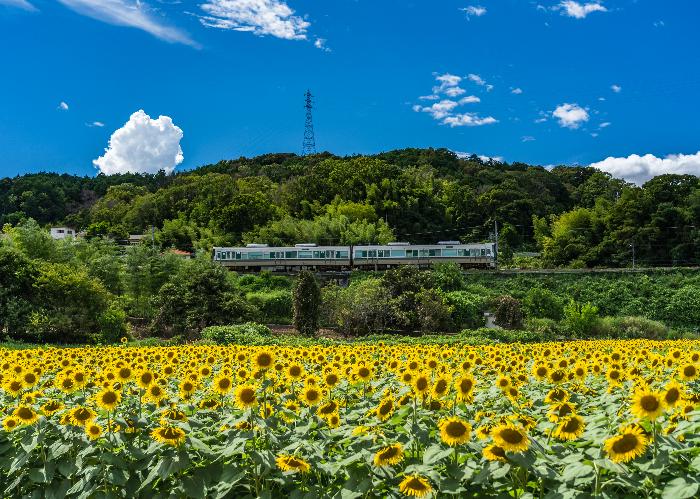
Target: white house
[62,232]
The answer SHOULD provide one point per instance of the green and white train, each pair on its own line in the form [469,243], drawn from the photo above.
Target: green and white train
[309,256]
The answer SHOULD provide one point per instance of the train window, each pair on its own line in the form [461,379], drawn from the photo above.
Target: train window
[255,256]
[342,254]
[304,254]
[290,254]
[449,252]
[398,253]
[238,255]
[483,252]
[383,253]
[412,253]
[424,252]
[488,251]
[434,252]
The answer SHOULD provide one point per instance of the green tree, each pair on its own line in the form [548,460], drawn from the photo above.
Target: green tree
[306,297]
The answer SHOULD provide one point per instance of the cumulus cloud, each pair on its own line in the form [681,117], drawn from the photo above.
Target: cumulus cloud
[570,115]
[21,4]
[639,169]
[444,109]
[63,106]
[468,119]
[320,43]
[484,158]
[474,10]
[578,10]
[517,91]
[142,145]
[260,17]
[133,14]
[476,79]
[616,88]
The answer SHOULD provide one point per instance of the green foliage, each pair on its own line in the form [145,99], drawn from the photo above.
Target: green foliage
[447,276]
[684,306]
[508,312]
[634,327]
[249,333]
[581,319]
[274,306]
[542,303]
[360,309]
[306,303]
[467,309]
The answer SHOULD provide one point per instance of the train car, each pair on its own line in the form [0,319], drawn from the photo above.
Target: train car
[306,256]
[309,256]
[374,257]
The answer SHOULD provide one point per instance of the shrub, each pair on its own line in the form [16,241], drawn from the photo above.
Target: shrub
[467,309]
[274,306]
[434,314]
[636,327]
[542,303]
[684,306]
[581,320]
[508,312]
[547,329]
[362,308]
[307,303]
[250,333]
[447,276]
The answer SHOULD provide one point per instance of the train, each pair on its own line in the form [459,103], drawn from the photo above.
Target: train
[310,256]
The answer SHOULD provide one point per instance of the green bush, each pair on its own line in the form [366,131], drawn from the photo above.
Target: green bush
[274,306]
[508,312]
[581,320]
[548,329]
[250,333]
[684,307]
[467,309]
[635,327]
[542,303]
[306,303]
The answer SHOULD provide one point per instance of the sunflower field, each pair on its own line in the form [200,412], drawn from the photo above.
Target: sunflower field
[579,419]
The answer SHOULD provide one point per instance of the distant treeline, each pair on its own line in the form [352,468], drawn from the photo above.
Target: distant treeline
[574,216]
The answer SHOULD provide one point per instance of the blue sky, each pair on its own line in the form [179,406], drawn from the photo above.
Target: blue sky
[545,83]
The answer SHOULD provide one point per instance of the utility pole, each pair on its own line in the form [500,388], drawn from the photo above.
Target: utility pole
[309,145]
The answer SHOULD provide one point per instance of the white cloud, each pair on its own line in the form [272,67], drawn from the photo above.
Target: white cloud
[578,10]
[639,169]
[142,145]
[517,91]
[260,17]
[133,14]
[570,115]
[63,106]
[469,99]
[468,119]
[616,88]
[320,43]
[439,110]
[527,138]
[474,10]
[486,159]
[447,81]
[21,4]
[476,79]
[95,124]
[605,124]
[429,97]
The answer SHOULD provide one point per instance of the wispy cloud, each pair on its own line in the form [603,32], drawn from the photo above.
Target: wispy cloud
[616,88]
[474,10]
[95,124]
[320,43]
[20,4]
[63,106]
[260,17]
[579,10]
[133,14]
[517,91]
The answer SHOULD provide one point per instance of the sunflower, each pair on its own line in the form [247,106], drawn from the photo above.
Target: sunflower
[168,435]
[421,384]
[93,431]
[13,386]
[325,410]
[187,388]
[29,379]
[495,453]
[155,393]
[385,408]
[172,413]
[124,374]
[556,395]
[363,373]
[441,386]
[295,371]
[245,396]
[503,382]
[416,486]
[145,378]
[561,410]
[389,456]
[292,464]
[688,371]
[311,396]
[222,384]
[673,393]
[629,444]
[647,404]
[570,428]
[465,388]
[51,407]
[454,431]
[10,423]
[510,437]
[333,421]
[108,399]
[264,359]
[331,379]
[80,416]
[25,414]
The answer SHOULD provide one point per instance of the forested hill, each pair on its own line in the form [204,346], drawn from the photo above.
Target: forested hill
[576,216]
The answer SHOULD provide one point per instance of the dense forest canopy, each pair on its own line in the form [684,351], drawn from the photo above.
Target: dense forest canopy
[576,216]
